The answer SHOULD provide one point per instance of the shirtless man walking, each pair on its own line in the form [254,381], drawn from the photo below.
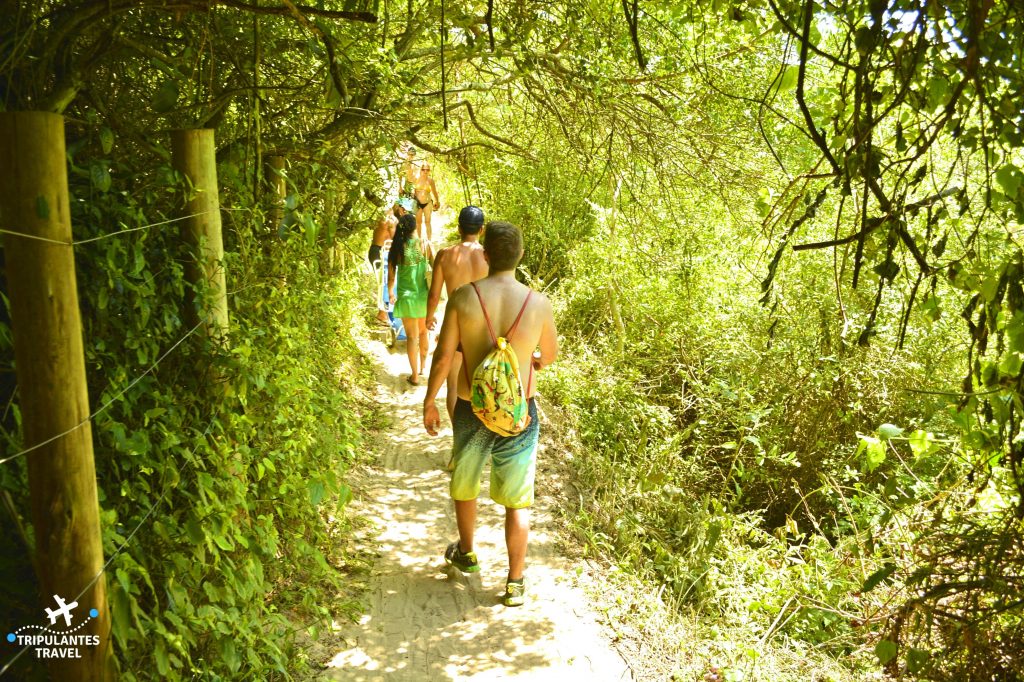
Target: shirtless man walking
[383,230]
[454,266]
[514,458]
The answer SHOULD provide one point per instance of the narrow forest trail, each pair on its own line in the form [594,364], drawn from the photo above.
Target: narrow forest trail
[425,621]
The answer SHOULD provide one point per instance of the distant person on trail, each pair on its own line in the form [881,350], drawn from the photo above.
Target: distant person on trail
[454,266]
[407,287]
[407,187]
[475,313]
[425,194]
[383,230]
[402,206]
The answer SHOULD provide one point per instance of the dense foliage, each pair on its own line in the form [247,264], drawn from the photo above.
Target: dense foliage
[739,403]
[783,241]
[217,465]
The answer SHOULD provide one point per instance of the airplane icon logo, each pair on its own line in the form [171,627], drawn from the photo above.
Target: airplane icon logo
[64,610]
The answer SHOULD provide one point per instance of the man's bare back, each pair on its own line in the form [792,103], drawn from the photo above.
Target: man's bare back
[383,230]
[454,266]
[503,298]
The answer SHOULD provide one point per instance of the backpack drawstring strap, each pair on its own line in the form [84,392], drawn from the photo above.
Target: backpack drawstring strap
[512,329]
[490,327]
[508,335]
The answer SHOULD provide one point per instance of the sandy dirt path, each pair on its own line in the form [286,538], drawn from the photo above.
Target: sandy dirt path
[426,621]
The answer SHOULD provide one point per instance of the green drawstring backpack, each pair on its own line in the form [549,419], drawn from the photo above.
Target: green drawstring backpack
[496,390]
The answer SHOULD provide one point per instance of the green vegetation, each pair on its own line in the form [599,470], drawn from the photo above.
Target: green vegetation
[784,244]
[218,467]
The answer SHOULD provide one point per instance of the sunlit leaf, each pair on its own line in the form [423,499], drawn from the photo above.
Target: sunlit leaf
[888,431]
[879,576]
[885,651]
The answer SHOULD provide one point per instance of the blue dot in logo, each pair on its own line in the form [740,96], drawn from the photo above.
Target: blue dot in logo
[11,638]
[94,613]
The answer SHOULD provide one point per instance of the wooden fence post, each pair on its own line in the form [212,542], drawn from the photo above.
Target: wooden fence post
[194,155]
[50,366]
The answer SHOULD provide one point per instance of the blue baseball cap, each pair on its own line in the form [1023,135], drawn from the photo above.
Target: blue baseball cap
[471,215]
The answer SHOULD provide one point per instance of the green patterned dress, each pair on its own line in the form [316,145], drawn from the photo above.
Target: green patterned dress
[411,283]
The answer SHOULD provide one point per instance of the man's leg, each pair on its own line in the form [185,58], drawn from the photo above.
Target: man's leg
[513,469]
[465,517]
[421,326]
[517,533]
[471,445]
[381,272]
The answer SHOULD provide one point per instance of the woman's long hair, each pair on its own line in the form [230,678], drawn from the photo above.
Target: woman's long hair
[406,228]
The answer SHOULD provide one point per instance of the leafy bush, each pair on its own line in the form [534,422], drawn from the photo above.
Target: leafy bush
[218,464]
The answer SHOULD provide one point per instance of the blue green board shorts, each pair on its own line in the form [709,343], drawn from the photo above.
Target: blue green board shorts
[513,458]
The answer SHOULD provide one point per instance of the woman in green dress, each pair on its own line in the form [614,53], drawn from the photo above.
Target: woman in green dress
[408,286]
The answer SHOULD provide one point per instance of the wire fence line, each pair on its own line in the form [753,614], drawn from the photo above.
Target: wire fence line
[92,416]
[113,234]
[82,423]
[126,543]
[110,402]
[106,405]
[119,550]
[245,288]
[141,227]
[36,237]
[167,489]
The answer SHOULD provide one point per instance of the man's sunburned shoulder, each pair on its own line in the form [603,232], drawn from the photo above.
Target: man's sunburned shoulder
[465,294]
[461,296]
[541,300]
[447,253]
[441,256]
[461,246]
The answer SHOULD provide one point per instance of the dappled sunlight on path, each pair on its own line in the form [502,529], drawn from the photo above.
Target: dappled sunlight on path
[425,621]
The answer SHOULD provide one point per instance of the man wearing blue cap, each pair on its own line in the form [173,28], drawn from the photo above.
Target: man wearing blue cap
[402,206]
[454,266]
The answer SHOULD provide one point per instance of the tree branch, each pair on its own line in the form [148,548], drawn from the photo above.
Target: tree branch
[427,147]
[364,17]
[805,42]
[470,87]
[490,23]
[632,20]
[814,48]
[873,223]
[487,133]
[869,227]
